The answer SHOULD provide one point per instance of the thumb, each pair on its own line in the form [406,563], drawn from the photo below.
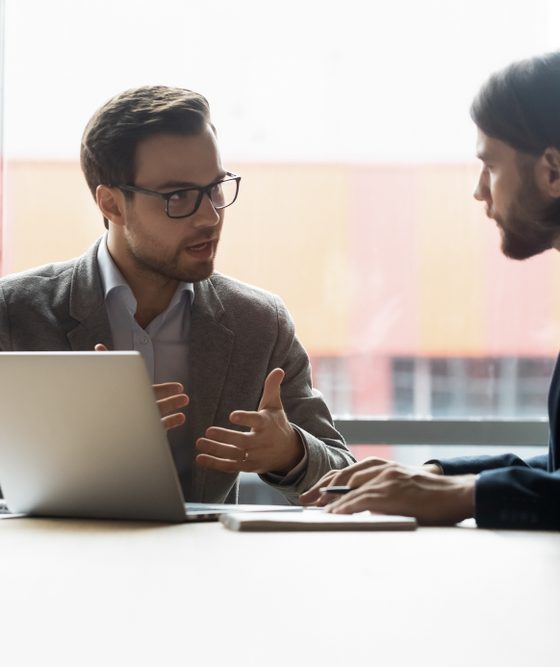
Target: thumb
[100,348]
[271,393]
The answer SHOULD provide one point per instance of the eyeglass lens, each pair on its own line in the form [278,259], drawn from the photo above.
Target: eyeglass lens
[184,202]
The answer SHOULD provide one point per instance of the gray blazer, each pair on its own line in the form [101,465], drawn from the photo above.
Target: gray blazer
[238,334]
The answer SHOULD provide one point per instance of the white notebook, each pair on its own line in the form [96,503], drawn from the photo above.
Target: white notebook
[313,519]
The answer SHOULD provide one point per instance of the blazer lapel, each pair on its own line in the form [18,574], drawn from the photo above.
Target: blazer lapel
[210,349]
[87,305]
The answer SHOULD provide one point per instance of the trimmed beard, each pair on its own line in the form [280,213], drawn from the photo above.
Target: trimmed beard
[167,268]
[532,226]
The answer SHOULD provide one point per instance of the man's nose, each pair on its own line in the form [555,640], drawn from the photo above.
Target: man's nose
[207,214]
[480,192]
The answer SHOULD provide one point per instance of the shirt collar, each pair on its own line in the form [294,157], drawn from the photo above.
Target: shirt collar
[113,281]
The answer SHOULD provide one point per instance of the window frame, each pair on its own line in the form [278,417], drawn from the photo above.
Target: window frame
[409,431]
[400,430]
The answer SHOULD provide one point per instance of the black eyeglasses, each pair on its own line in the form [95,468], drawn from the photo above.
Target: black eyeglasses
[185,202]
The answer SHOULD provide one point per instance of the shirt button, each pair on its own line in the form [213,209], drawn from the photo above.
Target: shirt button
[144,341]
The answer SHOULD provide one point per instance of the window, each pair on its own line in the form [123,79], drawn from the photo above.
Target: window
[1,134]
[350,127]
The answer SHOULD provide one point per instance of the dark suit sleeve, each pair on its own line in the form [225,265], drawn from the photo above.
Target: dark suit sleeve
[511,492]
[473,465]
[514,493]
[518,497]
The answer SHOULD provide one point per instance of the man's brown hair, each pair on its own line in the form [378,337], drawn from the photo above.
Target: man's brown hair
[109,141]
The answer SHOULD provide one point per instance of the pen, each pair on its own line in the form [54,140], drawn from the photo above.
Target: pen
[335,489]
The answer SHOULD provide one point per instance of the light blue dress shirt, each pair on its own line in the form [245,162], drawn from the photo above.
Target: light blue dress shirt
[164,342]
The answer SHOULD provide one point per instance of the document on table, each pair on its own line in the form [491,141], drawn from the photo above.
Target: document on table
[312,519]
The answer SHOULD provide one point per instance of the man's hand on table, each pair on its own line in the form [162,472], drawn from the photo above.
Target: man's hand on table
[389,488]
[354,475]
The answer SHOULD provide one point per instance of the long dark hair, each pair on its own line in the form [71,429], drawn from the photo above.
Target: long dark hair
[520,105]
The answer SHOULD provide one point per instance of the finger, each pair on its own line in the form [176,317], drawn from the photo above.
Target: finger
[326,499]
[167,389]
[363,476]
[271,399]
[312,494]
[220,450]
[169,405]
[100,348]
[344,476]
[339,477]
[252,420]
[223,465]
[174,420]
[228,436]
[358,501]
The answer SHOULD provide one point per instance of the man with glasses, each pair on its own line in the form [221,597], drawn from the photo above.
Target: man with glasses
[517,113]
[151,161]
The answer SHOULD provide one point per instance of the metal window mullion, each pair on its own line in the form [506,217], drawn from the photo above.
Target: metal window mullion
[507,432]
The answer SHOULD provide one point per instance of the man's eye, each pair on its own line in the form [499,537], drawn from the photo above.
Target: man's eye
[179,195]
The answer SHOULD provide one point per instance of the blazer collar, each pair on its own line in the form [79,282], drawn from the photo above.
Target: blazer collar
[210,349]
[87,306]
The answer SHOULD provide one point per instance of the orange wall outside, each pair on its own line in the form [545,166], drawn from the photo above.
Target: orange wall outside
[372,260]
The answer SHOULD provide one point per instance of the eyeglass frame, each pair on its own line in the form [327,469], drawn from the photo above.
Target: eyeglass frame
[202,190]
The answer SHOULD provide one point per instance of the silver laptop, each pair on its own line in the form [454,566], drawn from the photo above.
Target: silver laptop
[81,436]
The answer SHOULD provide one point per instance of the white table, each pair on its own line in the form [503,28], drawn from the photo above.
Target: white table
[100,593]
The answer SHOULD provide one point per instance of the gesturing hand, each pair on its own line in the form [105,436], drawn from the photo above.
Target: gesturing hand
[170,397]
[272,445]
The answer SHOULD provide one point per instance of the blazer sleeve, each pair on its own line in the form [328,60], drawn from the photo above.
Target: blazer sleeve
[306,411]
[518,497]
[473,465]
[5,343]
[511,492]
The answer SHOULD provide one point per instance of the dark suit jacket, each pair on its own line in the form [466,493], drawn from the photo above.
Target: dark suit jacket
[511,492]
[238,334]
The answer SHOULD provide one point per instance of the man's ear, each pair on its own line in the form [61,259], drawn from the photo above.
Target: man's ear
[111,203]
[547,172]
